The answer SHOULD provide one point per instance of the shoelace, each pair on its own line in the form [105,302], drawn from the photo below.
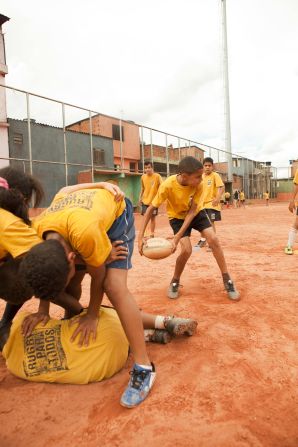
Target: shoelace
[137,378]
[231,287]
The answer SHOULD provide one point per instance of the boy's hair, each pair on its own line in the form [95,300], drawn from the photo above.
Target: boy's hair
[208,160]
[13,287]
[22,188]
[147,163]
[189,165]
[45,268]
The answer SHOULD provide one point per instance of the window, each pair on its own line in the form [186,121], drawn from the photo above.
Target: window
[236,163]
[116,132]
[132,166]
[18,138]
[98,157]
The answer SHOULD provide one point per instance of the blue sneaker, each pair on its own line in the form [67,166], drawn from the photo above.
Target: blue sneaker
[138,388]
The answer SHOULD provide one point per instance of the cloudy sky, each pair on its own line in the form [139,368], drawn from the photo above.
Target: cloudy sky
[160,63]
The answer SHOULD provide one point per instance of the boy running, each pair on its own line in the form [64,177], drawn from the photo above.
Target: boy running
[183,194]
[294,229]
[150,182]
[213,189]
[266,197]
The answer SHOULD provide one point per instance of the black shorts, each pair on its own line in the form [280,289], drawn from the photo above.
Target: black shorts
[144,209]
[199,223]
[214,215]
[297,211]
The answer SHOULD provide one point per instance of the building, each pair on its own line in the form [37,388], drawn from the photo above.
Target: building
[4,151]
[124,134]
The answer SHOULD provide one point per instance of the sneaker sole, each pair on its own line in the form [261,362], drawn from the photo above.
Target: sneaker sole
[185,328]
[123,404]
[172,295]
[234,296]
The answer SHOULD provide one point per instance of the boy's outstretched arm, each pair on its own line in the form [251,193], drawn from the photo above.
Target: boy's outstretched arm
[113,189]
[187,221]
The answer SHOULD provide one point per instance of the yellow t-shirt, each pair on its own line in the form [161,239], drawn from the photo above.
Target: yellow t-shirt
[296,178]
[242,196]
[16,237]
[211,182]
[48,355]
[82,218]
[178,198]
[266,195]
[227,195]
[150,184]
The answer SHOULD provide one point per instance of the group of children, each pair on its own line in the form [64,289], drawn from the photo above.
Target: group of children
[89,229]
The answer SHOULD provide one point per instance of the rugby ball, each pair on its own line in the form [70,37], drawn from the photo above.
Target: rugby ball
[157,248]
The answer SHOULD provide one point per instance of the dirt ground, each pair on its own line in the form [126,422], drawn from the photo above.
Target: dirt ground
[234,383]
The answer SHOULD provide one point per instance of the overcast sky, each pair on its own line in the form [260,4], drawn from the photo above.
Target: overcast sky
[160,62]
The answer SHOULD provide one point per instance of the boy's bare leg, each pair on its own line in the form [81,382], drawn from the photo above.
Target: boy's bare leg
[214,244]
[186,250]
[152,225]
[116,289]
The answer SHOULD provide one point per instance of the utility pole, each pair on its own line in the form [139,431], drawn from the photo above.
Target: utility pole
[226,90]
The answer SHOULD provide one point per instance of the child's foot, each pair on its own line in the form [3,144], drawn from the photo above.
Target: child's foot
[160,336]
[180,326]
[232,292]
[200,244]
[140,383]
[289,251]
[173,290]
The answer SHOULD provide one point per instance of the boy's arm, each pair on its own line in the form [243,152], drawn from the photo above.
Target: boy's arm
[32,320]
[292,202]
[87,323]
[142,191]
[216,200]
[113,189]
[189,217]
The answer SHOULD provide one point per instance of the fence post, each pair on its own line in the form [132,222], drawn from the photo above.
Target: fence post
[64,144]
[29,133]
[91,146]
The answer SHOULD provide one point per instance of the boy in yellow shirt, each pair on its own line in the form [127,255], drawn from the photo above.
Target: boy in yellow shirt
[86,222]
[266,197]
[47,355]
[292,207]
[150,182]
[184,196]
[213,189]
[242,198]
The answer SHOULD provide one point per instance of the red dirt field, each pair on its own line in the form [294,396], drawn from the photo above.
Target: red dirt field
[234,383]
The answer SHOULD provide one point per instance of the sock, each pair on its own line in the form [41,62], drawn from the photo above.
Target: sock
[148,367]
[225,277]
[292,237]
[159,322]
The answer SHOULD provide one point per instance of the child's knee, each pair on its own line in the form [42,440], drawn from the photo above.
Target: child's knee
[213,241]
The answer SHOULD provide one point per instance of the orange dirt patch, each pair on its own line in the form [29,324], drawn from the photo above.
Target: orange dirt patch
[234,383]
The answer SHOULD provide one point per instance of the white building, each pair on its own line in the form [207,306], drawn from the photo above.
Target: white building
[4,151]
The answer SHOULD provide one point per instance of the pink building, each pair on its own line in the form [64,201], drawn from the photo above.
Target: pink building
[126,140]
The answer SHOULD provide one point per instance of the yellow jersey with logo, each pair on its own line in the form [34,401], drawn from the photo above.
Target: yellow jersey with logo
[150,184]
[227,195]
[211,183]
[266,195]
[82,218]
[242,196]
[16,237]
[48,355]
[178,198]
[295,181]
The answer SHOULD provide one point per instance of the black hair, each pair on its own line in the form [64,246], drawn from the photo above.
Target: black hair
[189,165]
[45,268]
[208,160]
[148,162]
[22,188]
[13,287]
[26,184]
[4,334]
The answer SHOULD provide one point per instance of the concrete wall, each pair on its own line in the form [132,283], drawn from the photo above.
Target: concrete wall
[47,145]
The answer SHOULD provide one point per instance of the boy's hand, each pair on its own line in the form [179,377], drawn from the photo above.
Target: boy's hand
[115,190]
[87,327]
[175,243]
[215,202]
[117,252]
[140,246]
[32,320]
[292,206]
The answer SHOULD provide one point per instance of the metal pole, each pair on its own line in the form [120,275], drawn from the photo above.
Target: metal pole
[142,138]
[29,133]
[179,149]
[167,157]
[91,146]
[226,90]
[151,147]
[121,146]
[64,144]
